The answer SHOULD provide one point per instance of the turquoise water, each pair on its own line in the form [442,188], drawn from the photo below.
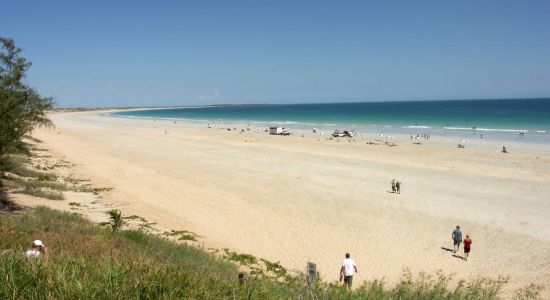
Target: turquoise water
[530,115]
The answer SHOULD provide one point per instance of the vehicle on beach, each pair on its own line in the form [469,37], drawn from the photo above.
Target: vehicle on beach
[338,133]
[279,131]
[349,133]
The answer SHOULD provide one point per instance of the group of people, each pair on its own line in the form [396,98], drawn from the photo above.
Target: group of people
[421,136]
[349,268]
[396,186]
[456,236]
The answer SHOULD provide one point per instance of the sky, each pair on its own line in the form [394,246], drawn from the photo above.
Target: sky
[157,53]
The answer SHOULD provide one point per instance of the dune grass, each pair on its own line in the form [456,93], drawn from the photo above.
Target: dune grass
[43,193]
[33,181]
[87,261]
[20,169]
[37,188]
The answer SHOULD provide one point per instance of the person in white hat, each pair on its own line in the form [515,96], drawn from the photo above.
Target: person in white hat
[38,249]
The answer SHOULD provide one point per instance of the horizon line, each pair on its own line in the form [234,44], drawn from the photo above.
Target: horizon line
[298,103]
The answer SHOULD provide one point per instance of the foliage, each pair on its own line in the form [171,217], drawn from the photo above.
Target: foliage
[275,267]
[21,107]
[183,235]
[115,219]
[89,262]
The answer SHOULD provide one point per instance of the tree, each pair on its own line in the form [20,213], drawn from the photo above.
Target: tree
[21,107]
[115,219]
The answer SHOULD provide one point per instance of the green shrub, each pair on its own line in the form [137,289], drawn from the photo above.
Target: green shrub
[115,219]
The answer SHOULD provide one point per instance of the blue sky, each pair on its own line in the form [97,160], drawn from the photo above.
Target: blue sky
[130,53]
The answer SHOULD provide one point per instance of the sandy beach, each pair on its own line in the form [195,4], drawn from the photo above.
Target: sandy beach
[297,199]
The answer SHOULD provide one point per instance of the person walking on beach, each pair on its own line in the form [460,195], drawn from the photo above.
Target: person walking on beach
[347,270]
[398,187]
[467,245]
[457,238]
[393,186]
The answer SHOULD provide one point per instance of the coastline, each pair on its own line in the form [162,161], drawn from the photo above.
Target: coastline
[295,199]
[459,116]
[480,139]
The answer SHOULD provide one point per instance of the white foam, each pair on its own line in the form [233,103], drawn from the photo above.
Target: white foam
[457,128]
[283,122]
[501,130]
[418,126]
[485,129]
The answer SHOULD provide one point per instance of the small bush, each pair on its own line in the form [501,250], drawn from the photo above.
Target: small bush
[244,259]
[183,235]
[47,177]
[115,219]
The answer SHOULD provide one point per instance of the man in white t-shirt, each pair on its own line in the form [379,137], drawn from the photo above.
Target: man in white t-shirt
[347,270]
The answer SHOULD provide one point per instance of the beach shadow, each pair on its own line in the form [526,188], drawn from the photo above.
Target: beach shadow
[390,192]
[458,256]
[447,249]
[6,205]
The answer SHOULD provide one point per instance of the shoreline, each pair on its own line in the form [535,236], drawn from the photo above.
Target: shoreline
[458,133]
[538,144]
[283,198]
[517,116]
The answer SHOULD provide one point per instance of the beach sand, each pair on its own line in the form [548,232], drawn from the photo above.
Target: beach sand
[297,199]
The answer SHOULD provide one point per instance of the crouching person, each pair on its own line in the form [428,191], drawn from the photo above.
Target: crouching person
[38,250]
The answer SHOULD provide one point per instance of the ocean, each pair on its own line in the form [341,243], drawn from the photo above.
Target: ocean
[531,116]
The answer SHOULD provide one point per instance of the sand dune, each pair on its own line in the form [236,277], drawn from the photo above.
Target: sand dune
[297,199]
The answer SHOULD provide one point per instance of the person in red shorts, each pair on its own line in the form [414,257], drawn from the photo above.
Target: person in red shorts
[467,245]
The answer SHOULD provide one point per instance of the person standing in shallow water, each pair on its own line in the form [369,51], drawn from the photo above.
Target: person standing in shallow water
[347,270]
[393,186]
[457,238]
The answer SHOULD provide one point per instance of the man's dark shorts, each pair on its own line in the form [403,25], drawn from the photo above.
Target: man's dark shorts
[348,280]
[457,242]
